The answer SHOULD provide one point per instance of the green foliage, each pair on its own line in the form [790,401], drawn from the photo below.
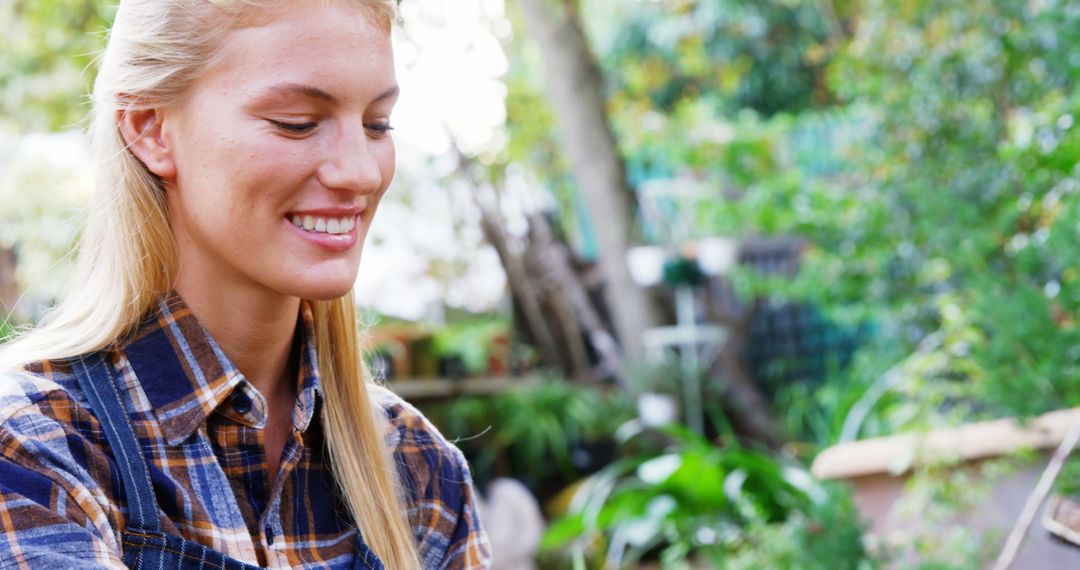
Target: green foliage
[532,433]
[1068,481]
[973,162]
[691,500]
[469,340]
[938,191]
[767,56]
[45,68]
[680,73]
[828,536]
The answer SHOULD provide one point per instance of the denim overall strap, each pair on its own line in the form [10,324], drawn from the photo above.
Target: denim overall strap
[99,383]
[146,547]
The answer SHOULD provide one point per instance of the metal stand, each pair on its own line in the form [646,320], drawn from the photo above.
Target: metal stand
[698,346]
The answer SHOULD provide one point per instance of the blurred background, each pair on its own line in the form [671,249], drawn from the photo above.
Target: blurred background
[648,261]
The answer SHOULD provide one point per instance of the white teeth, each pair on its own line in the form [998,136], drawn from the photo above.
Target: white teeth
[333,226]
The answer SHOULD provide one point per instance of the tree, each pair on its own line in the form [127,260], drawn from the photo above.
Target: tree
[46,65]
[969,226]
[575,88]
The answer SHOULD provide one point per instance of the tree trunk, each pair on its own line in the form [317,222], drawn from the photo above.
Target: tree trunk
[9,288]
[522,289]
[575,88]
[553,265]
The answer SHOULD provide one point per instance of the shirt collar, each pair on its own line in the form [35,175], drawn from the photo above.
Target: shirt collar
[186,377]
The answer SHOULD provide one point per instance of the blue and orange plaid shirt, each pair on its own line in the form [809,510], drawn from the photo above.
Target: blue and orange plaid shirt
[198,422]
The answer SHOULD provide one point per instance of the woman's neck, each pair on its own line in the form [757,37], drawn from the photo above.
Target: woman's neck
[255,328]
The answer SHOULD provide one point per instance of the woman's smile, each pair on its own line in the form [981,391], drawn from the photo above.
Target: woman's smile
[332,229]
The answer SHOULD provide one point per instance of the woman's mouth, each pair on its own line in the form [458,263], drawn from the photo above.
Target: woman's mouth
[324,225]
[335,230]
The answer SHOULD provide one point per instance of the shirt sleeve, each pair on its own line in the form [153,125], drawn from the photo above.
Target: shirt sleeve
[52,512]
[469,547]
[439,489]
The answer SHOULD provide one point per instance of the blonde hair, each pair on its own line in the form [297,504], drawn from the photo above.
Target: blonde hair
[126,255]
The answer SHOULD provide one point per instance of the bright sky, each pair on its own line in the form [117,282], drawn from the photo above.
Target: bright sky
[450,64]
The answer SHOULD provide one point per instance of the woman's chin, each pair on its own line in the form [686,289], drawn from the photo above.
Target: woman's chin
[325,291]
[324,288]
[319,281]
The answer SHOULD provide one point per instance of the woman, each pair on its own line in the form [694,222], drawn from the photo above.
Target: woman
[198,398]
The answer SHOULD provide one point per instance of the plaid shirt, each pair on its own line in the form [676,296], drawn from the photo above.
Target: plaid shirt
[198,422]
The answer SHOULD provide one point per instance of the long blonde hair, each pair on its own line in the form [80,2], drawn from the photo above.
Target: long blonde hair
[126,255]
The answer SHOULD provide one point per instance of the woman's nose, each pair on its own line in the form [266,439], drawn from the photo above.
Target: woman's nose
[351,163]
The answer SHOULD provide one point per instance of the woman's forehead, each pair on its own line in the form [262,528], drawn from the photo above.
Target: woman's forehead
[247,14]
[333,47]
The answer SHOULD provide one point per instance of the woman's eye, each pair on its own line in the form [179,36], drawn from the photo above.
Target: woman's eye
[295,128]
[379,128]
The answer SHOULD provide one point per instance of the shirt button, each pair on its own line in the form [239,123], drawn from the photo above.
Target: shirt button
[241,404]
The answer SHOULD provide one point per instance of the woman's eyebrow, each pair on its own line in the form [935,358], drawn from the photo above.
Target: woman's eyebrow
[389,93]
[303,90]
[312,92]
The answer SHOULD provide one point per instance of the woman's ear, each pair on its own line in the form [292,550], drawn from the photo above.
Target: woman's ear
[143,134]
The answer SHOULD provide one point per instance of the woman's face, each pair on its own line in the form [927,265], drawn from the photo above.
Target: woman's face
[282,152]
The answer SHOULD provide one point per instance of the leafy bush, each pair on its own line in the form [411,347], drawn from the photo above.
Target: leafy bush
[546,435]
[690,500]
[966,226]
[828,536]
